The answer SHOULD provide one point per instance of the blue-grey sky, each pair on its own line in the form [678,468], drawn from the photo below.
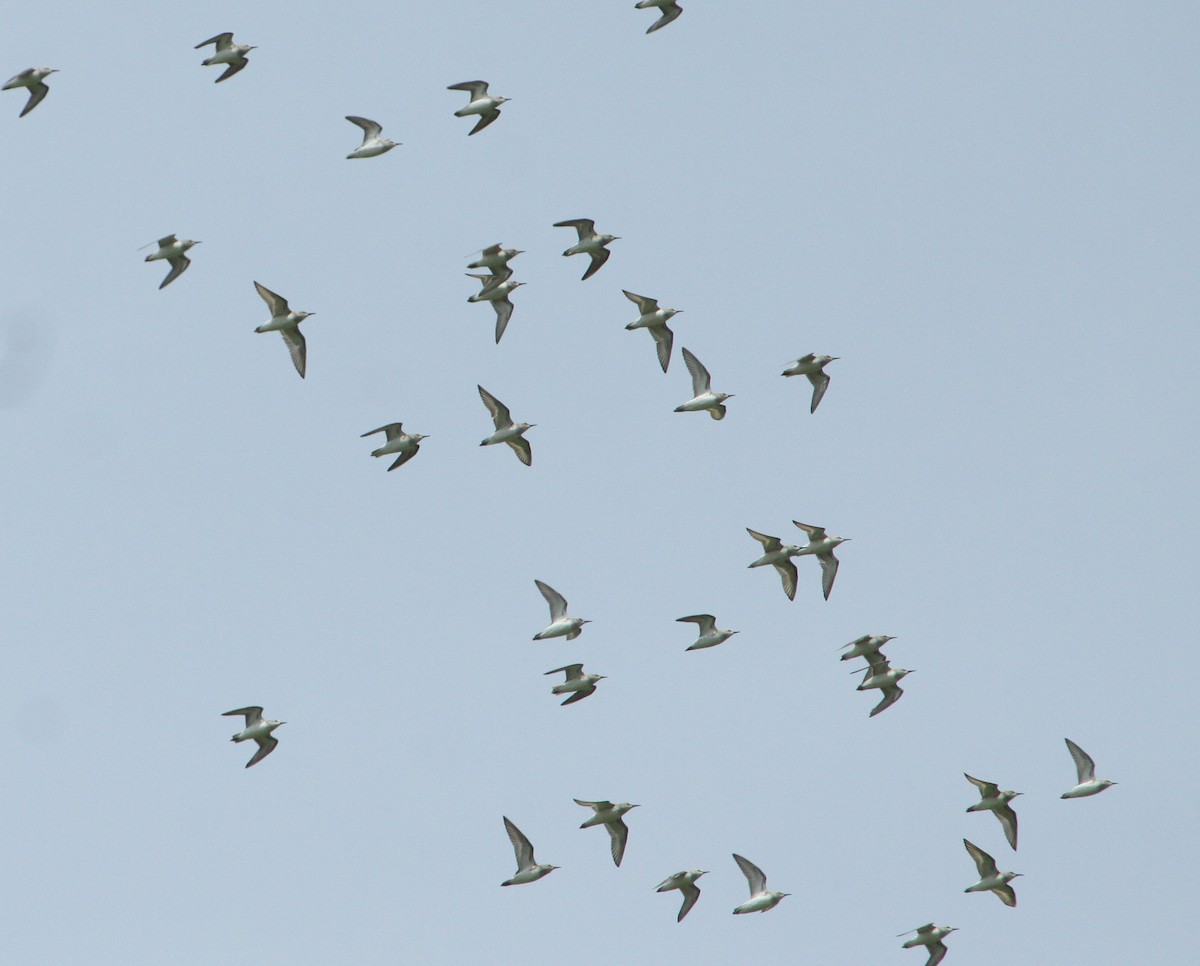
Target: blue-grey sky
[986,210]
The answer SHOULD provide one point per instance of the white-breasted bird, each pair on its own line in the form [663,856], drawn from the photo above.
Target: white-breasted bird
[866,646]
[577,684]
[172,249]
[257,729]
[396,441]
[33,80]
[703,398]
[487,106]
[590,243]
[668,8]
[760,899]
[227,52]
[777,554]
[611,817]
[710,634]
[560,624]
[820,545]
[528,869]
[654,320]
[930,936]
[993,799]
[495,257]
[685,882]
[884,677]
[287,324]
[496,288]
[812,366]
[1085,771]
[990,878]
[373,144]
[506,430]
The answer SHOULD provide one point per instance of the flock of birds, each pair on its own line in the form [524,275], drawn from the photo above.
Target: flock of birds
[496,285]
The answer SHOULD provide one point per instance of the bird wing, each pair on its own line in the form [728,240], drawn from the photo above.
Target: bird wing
[499,411]
[645,305]
[504,311]
[371,129]
[787,573]
[266,745]
[169,240]
[891,694]
[391,429]
[1085,768]
[178,265]
[558,610]
[485,119]
[1008,818]
[984,863]
[491,249]
[276,303]
[937,952]
[701,380]
[598,259]
[37,93]
[598,806]
[404,458]
[706,622]
[670,882]
[618,831]
[664,338]
[572,671]
[520,446]
[829,567]
[1006,893]
[986,789]
[253,715]
[718,412]
[669,12]
[690,894]
[584,226]
[477,88]
[233,68]
[855,643]
[814,533]
[221,40]
[820,382]
[769,543]
[294,339]
[754,875]
[580,695]
[521,845]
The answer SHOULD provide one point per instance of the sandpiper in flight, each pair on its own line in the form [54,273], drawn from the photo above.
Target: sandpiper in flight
[992,799]
[494,258]
[703,398]
[812,366]
[227,52]
[760,899]
[397,441]
[881,675]
[172,249]
[257,729]
[496,289]
[654,320]
[668,8]
[610,816]
[820,545]
[577,684]
[372,143]
[560,624]
[506,430]
[685,882]
[930,936]
[287,324]
[487,106]
[776,554]
[866,646]
[590,243]
[1085,771]
[710,635]
[33,80]
[528,869]
[990,879]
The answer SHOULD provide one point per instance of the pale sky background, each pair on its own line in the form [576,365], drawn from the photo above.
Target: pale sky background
[987,210]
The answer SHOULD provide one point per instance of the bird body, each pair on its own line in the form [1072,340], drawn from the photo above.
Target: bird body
[760,898]
[685,882]
[610,816]
[287,324]
[172,249]
[397,441]
[813,367]
[227,52]
[258,729]
[1085,770]
[32,79]
[590,243]
[373,143]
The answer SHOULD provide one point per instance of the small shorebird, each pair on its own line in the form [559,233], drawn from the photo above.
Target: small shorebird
[172,249]
[528,869]
[703,398]
[812,366]
[654,320]
[257,729]
[494,258]
[560,624]
[32,79]
[227,52]
[496,289]
[881,675]
[991,880]
[993,800]
[685,882]
[760,899]
[372,144]
[1085,770]
[866,646]
[287,324]
[820,545]
[582,685]
[610,816]
[506,430]
[930,936]
[485,105]
[668,8]
[590,243]
[777,555]
[710,636]
[397,441]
